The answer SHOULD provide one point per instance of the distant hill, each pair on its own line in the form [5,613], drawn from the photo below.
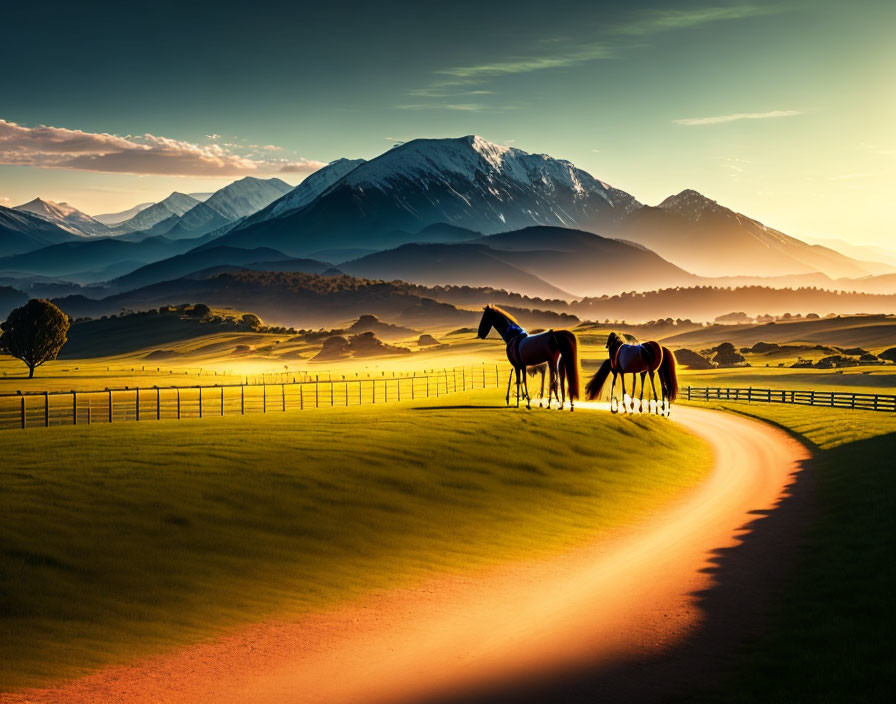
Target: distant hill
[542,261]
[302,300]
[91,260]
[869,331]
[709,239]
[199,260]
[21,231]
[461,264]
[709,302]
[10,298]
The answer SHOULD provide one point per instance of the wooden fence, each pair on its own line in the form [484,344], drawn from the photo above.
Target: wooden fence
[830,399]
[51,408]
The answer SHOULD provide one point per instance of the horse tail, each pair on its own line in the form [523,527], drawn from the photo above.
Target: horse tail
[593,387]
[569,358]
[668,375]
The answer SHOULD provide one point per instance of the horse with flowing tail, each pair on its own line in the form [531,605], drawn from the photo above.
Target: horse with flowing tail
[558,348]
[637,359]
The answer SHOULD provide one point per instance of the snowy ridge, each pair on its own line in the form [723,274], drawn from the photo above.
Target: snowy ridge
[64,216]
[313,186]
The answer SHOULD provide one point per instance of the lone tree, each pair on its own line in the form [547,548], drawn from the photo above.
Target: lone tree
[34,333]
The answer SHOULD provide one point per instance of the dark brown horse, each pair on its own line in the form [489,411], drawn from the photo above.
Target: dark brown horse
[557,348]
[647,358]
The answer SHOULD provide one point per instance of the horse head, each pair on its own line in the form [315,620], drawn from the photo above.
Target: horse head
[485,325]
[613,341]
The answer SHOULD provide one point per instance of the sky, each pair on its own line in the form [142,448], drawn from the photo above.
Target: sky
[784,111]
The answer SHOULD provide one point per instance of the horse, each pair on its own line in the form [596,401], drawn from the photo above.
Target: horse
[558,348]
[647,358]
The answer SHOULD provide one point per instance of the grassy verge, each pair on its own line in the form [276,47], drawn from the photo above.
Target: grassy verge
[125,540]
[831,640]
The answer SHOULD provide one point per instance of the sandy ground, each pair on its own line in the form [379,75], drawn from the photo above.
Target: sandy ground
[649,614]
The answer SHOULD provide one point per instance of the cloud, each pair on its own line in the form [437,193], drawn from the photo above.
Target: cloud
[62,148]
[669,20]
[718,119]
[573,57]
[460,107]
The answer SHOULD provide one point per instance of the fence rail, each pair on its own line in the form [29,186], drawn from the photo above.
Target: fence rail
[53,408]
[830,399]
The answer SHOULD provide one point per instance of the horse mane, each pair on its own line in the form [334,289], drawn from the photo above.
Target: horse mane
[504,313]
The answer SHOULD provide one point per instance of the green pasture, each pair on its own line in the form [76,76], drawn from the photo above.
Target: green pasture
[831,638]
[127,540]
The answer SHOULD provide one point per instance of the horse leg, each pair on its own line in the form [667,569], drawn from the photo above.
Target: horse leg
[614,403]
[509,382]
[624,404]
[517,386]
[541,393]
[641,397]
[656,406]
[526,389]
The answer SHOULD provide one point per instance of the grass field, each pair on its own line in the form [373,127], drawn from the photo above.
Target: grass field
[831,639]
[122,541]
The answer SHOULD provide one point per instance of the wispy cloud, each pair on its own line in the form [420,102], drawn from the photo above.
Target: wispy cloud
[460,107]
[669,20]
[62,148]
[718,119]
[560,52]
[573,57]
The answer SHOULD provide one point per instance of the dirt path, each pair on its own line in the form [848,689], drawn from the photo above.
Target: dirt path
[630,619]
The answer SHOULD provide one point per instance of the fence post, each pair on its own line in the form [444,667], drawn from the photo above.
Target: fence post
[812,398]
[242,399]
[463,374]
[413,380]
[158,404]
[46,409]
[110,405]
[88,411]
[689,392]
[316,392]
[178,403]
[331,392]
[398,385]
[427,385]
[200,402]
[283,395]
[222,400]
[346,393]
[483,376]
[264,397]
[301,397]
[74,407]
[23,410]
[137,402]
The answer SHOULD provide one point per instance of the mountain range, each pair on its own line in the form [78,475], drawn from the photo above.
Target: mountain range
[430,211]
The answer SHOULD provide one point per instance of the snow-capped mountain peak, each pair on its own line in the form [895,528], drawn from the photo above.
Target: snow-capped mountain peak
[65,216]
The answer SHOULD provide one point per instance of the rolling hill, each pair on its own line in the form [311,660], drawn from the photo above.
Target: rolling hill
[540,261]
[196,261]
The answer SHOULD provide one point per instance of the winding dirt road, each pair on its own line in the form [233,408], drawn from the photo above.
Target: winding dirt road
[632,619]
